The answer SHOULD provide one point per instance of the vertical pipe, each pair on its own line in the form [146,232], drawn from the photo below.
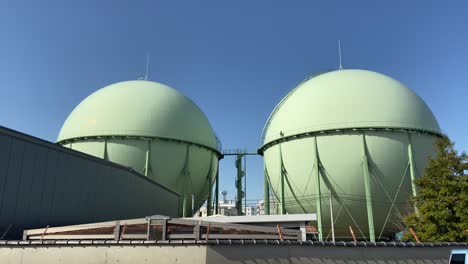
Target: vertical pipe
[217,190]
[412,173]
[266,191]
[245,184]
[365,169]
[331,218]
[318,191]
[282,203]
[239,184]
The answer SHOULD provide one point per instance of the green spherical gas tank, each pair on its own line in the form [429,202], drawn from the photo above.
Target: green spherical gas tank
[340,133]
[151,128]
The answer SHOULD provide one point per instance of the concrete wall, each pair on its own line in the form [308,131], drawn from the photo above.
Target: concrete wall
[327,255]
[103,254]
[42,184]
[216,254]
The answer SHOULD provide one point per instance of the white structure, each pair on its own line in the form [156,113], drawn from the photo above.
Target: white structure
[249,210]
[202,212]
[292,221]
[226,207]
[260,208]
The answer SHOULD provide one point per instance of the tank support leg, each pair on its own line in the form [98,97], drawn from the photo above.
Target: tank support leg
[266,192]
[208,202]
[365,169]
[105,155]
[216,198]
[318,204]
[209,181]
[184,205]
[282,203]
[331,217]
[412,173]
[186,211]
[147,158]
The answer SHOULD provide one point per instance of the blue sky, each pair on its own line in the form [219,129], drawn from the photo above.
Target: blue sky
[235,59]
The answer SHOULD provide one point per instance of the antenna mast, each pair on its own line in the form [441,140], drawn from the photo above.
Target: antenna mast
[147,65]
[339,54]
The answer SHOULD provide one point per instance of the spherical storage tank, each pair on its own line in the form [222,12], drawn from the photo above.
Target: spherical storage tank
[151,128]
[346,144]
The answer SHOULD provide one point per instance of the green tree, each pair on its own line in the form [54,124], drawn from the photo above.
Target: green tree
[442,197]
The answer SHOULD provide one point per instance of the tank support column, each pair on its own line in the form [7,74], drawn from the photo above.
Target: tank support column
[365,170]
[147,158]
[209,178]
[266,192]
[332,221]
[216,198]
[282,207]
[184,205]
[208,202]
[412,173]
[106,153]
[318,204]
[185,174]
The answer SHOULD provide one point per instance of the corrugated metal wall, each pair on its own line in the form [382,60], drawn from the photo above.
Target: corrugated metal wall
[42,184]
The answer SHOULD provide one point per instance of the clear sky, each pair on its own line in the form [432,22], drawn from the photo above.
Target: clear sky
[235,59]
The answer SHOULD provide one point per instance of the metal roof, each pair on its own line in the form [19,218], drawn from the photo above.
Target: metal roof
[161,228]
[44,143]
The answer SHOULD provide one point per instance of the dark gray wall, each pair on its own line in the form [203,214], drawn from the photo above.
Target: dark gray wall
[42,184]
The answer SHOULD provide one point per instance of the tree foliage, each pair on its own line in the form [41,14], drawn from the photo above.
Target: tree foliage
[442,198]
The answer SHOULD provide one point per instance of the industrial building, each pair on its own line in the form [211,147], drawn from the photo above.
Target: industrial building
[44,184]
[345,145]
